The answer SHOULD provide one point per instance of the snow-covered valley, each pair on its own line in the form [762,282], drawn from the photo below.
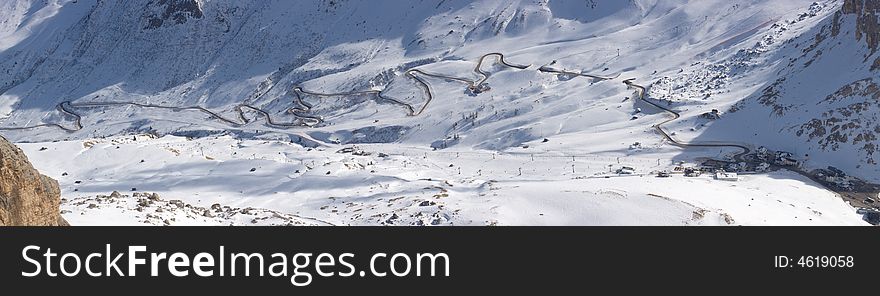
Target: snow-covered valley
[385,184]
[360,112]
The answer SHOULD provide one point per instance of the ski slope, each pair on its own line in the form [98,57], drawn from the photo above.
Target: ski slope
[409,186]
[572,90]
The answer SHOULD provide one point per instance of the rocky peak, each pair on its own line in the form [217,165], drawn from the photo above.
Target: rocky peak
[26,197]
[866,13]
[162,12]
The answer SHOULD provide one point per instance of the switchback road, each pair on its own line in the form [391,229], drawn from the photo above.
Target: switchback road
[301,111]
[675,115]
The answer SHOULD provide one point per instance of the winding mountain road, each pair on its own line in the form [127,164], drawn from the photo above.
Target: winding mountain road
[547,69]
[301,111]
[66,106]
[675,115]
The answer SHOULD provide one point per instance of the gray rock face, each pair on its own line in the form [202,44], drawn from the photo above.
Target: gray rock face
[27,198]
[867,23]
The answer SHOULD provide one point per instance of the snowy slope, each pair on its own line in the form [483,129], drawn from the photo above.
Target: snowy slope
[694,56]
[805,85]
[826,99]
[410,186]
[217,54]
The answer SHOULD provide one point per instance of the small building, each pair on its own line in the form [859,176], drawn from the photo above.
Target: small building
[566,76]
[835,177]
[712,115]
[734,167]
[833,171]
[784,154]
[354,150]
[626,170]
[711,166]
[785,159]
[762,167]
[726,176]
[346,150]
[763,153]
[843,184]
[692,172]
[830,178]
[787,162]
[360,153]
[480,88]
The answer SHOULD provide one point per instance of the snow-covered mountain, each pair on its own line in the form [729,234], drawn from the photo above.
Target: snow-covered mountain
[822,98]
[805,85]
[792,75]
[218,54]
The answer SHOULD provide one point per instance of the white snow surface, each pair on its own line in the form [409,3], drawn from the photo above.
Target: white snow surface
[218,54]
[410,186]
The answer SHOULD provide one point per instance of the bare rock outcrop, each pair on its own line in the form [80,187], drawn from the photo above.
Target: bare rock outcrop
[27,198]
[867,13]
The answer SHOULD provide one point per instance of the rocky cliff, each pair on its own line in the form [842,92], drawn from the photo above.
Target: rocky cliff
[26,196]
[824,102]
[850,117]
[865,13]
